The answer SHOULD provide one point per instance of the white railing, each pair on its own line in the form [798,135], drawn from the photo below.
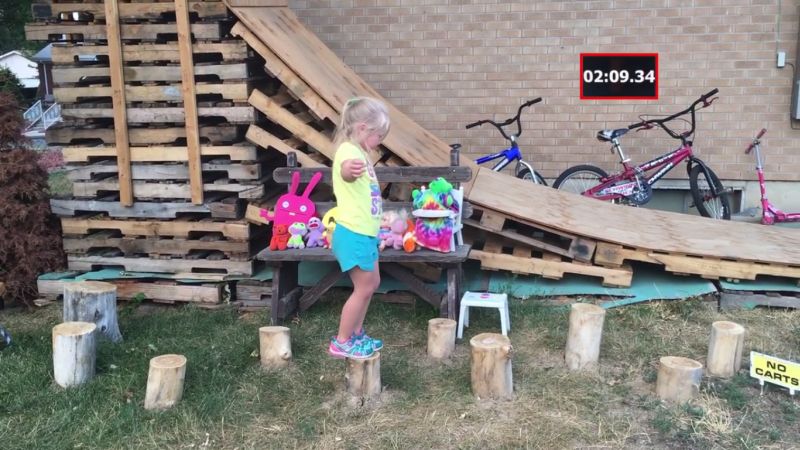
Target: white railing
[33,114]
[51,116]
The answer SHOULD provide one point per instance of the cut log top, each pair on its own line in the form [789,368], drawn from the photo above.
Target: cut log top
[170,361]
[274,329]
[586,309]
[74,328]
[680,362]
[90,287]
[490,341]
[730,327]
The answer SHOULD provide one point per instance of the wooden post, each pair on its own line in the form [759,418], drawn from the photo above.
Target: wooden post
[119,105]
[93,301]
[725,349]
[441,338]
[363,377]
[165,381]
[275,347]
[585,334]
[678,378]
[189,100]
[74,353]
[491,366]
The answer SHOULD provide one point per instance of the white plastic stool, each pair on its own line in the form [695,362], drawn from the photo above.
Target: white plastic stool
[484,300]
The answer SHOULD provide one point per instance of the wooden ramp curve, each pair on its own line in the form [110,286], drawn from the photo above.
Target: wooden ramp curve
[679,242]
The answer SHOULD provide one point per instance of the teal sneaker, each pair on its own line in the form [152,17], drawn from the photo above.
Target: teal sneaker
[377,344]
[350,349]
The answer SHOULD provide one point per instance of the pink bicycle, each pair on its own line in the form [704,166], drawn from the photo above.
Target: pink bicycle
[634,184]
[769,213]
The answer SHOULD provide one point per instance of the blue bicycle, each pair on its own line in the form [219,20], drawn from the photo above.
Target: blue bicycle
[512,154]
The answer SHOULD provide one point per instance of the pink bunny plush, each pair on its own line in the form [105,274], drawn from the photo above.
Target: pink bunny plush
[291,207]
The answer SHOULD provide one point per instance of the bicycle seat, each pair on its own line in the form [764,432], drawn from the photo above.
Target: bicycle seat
[455,146]
[608,135]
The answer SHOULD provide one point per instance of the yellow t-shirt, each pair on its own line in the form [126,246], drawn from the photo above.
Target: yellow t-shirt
[359,202]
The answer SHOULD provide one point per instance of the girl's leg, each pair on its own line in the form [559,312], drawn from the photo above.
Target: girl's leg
[355,308]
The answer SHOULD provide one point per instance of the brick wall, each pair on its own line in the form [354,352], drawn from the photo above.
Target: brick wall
[448,63]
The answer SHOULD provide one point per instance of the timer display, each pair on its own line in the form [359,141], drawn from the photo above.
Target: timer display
[617,76]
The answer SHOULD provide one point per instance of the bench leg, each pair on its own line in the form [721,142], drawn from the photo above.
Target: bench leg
[284,281]
[414,284]
[312,295]
[453,291]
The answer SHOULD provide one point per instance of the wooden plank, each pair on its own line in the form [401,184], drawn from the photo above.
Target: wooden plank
[388,255]
[552,269]
[749,300]
[258,136]
[250,3]
[277,114]
[144,32]
[237,92]
[71,75]
[150,52]
[717,268]
[233,114]
[161,154]
[414,284]
[118,101]
[310,296]
[145,190]
[149,10]
[291,80]
[384,174]
[131,246]
[166,171]
[519,238]
[141,136]
[72,226]
[157,291]
[158,210]
[189,101]
[88,263]
[613,255]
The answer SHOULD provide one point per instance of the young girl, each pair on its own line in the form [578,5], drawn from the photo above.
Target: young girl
[365,123]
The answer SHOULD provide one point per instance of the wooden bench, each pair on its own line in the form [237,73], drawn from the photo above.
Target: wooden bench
[288,296]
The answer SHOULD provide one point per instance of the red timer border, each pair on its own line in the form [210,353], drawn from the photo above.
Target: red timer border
[619,86]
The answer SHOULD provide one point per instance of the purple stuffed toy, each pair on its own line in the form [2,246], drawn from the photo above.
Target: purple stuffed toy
[314,236]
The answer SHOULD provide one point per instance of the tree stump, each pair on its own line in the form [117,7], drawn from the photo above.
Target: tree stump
[491,366]
[725,349]
[165,382]
[678,378]
[93,301]
[363,377]
[441,338]
[74,353]
[585,334]
[275,347]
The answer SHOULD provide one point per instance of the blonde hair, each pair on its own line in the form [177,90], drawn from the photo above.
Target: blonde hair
[366,110]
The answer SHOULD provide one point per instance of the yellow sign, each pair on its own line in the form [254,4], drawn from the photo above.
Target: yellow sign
[775,370]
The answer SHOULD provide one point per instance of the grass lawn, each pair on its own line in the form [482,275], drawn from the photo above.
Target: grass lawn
[229,402]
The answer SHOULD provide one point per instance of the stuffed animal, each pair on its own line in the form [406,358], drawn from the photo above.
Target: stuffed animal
[290,207]
[314,236]
[280,237]
[297,230]
[329,222]
[410,238]
[387,219]
[434,231]
[398,228]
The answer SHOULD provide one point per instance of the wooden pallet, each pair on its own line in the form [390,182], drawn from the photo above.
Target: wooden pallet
[211,171]
[209,135]
[181,228]
[161,154]
[503,254]
[173,265]
[154,247]
[141,115]
[144,53]
[252,295]
[159,291]
[235,91]
[146,32]
[531,234]
[218,207]
[201,10]
[69,76]
[729,299]
[143,190]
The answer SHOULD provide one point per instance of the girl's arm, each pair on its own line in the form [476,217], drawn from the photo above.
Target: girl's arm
[352,169]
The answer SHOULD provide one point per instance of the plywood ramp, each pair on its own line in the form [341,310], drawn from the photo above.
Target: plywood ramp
[673,240]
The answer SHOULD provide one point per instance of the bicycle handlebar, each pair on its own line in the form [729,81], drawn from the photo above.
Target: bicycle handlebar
[508,121]
[755,141]
[647,124]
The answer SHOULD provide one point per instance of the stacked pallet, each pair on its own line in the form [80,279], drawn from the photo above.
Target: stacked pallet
[154,103]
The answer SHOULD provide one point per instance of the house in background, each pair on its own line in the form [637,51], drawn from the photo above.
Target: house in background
[26,70]
[44,58]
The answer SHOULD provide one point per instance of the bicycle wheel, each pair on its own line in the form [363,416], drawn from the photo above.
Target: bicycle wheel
[525,174]
[704,184]
[578,179]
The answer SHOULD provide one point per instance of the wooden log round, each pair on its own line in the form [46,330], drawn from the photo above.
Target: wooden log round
[584,336]
[74,353]
[93,301]
[165,381]
[491,366]
[363,377]
[725,349]
[275,347]
[441,338]
[678,378]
